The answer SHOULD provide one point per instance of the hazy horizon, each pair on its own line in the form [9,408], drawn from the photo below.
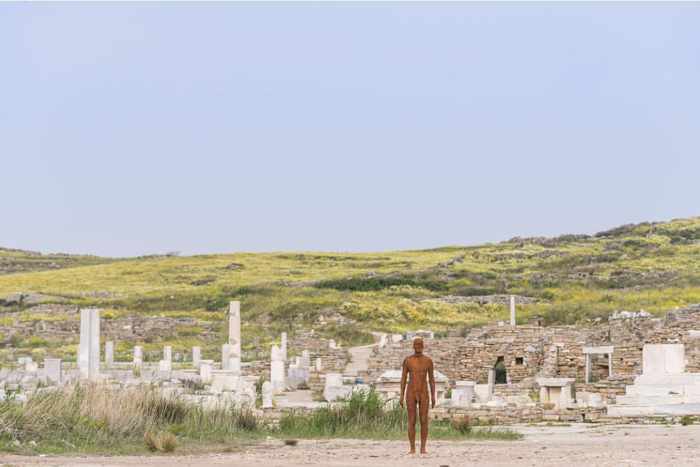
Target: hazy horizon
[133,129]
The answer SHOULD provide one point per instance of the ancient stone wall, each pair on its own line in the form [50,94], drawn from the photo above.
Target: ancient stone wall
[333,360]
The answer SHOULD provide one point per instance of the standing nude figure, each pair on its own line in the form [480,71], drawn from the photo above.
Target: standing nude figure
[419,369]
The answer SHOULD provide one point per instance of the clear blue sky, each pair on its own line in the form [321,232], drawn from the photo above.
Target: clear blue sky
[129,129]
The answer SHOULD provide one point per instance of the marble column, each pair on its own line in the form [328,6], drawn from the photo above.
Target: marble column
[283,346]
[196,356]
[234,332]
[277,376]
[138,356]
[89,351]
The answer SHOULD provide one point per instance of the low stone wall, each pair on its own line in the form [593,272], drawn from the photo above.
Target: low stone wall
[608,389]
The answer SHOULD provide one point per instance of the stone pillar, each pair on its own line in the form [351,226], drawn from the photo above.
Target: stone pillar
[610,364]
[234,328]
[305,361]
[109,354]
[491,380]
[138,356]
[205,373]
[283,346]
[587,373]
[166,365]
[319,365]
[512,310]
[53,370]
[277,376]
[89,353]
[226,356]
[267,395]
[164,368]
[196,356]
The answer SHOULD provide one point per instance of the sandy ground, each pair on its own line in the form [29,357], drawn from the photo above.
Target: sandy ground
[577,445]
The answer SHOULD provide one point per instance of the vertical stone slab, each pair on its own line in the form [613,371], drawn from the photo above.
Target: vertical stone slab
[305,361]
[234,328]
[587,371]
[109,354]
[138,356]
[283,346]
[89,349]
[168,353]
[277,376]
[53,370]
[84,346]
[462,394]
[196,356]
[226,356]
[319,365]
[164,368]
[205,373]
[234,335]
[234,365]
[491,380]
[512,310]
[267,395]
[663,359]
[674,358]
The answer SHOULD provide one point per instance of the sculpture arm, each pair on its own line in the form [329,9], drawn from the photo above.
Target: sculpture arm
[404,375]
[431,380]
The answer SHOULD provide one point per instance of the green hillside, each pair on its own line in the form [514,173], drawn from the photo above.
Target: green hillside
[650,266]
[14,261]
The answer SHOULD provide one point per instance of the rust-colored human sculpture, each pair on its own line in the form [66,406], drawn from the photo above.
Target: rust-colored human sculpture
[419,370]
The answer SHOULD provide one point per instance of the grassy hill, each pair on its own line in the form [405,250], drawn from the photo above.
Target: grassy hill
[650,266]
[14,261]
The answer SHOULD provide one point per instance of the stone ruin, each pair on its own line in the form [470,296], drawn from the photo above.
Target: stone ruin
[633,365]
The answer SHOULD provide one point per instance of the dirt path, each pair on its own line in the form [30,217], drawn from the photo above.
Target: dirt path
[579,445]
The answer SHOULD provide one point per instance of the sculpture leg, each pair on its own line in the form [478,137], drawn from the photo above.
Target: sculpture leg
[424,405]
[411,406]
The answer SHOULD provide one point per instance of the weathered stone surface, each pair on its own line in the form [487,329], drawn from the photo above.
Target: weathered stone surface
[53,370]
[267,395]
[89,350]
[277,373]
[234,330]
[109,353]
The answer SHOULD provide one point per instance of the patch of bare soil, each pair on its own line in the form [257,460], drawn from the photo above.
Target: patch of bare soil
[577,445]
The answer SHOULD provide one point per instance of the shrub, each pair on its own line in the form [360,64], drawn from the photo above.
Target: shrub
[462,425]
[162,441]
[367,284]
[687,420]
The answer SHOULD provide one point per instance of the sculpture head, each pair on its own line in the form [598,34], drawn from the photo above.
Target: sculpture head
[418,345]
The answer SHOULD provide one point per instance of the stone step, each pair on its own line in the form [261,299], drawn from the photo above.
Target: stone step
[654,390]
[648,400]
[668,379]
[615,410]
[663,390]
